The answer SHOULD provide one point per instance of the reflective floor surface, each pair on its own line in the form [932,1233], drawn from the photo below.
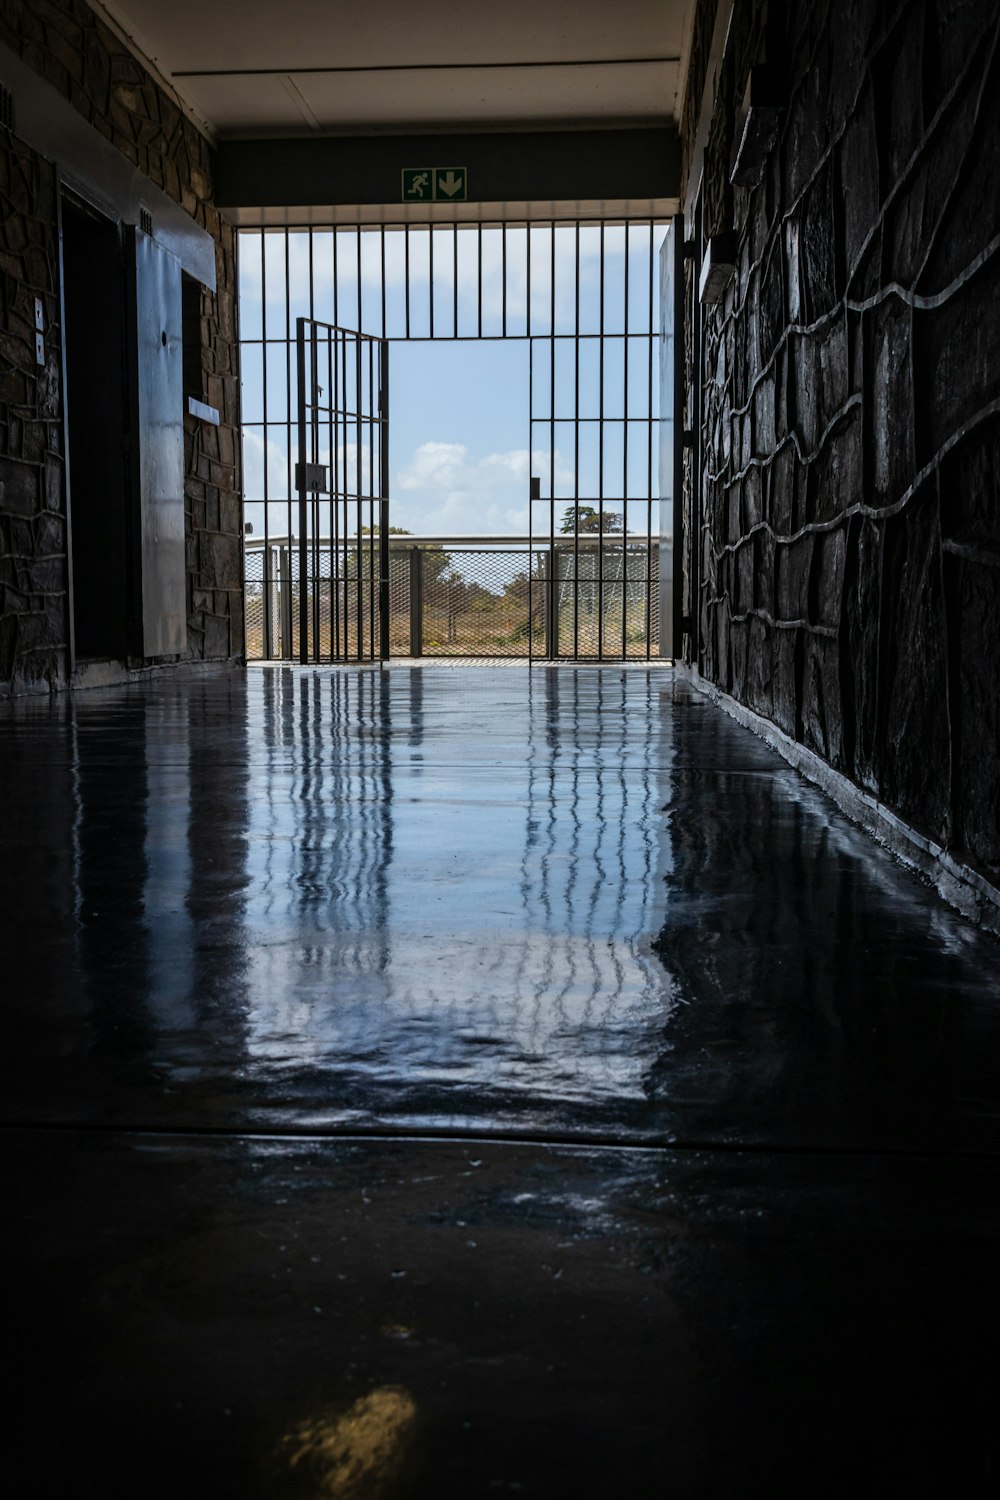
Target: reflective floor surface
[446,1083]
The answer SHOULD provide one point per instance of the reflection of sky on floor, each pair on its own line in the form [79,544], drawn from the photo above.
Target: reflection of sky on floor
[460,440]
[571,900]
[460,902]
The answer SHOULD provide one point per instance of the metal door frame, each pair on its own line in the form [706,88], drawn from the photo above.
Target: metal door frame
[347,354]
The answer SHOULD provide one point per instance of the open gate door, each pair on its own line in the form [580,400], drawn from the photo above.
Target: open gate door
[341,480]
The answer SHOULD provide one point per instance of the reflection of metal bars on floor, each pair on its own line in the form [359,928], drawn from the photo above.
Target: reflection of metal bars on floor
[342,380]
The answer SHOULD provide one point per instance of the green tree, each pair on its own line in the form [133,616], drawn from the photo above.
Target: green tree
[434,560]
[588,518]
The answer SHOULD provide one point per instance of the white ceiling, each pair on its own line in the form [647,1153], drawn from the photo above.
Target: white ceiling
[251,67]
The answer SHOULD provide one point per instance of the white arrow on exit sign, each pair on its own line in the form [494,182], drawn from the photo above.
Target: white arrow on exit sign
[450,182]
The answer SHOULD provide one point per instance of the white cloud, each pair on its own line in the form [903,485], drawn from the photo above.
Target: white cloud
[447,489]
[253,467]
[278,470]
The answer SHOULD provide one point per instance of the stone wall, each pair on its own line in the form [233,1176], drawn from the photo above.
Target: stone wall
[32,509]
[64,42]
[850,536]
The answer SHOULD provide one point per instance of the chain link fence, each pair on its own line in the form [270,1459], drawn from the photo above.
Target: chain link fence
[454,599]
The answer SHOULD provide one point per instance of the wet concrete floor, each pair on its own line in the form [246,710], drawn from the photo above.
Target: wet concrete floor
[438,1083]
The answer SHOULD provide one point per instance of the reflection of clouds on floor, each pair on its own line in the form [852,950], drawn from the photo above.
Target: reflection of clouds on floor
[443,895]
[551,1017]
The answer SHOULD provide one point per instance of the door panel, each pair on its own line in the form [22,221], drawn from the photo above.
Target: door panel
[340,576]
[99,498]
[160,401]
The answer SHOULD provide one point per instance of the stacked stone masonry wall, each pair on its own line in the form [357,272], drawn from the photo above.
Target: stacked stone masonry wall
[850,538]
[66,44]
[32,509]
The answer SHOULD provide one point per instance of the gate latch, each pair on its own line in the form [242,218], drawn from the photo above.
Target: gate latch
[312,478]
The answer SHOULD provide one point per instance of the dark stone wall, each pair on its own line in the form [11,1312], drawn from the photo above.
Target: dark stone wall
[849,546]
[32,508]
[66,44]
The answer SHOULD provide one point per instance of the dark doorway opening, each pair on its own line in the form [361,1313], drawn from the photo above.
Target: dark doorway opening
[94,301]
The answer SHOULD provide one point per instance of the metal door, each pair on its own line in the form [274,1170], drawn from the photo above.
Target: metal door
[341,479]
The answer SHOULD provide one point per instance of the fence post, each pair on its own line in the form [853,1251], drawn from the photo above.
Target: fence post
[545,560]
[416,603]
[285,602]
[267,643]
[552,621]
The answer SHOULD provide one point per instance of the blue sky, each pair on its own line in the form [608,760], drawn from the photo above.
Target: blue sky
[459,435]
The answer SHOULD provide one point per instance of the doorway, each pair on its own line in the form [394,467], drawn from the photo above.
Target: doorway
[97,475]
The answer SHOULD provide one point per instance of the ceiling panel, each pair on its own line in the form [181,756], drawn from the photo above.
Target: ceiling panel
[228,34]
[447,53]
[543,94]
[263,105]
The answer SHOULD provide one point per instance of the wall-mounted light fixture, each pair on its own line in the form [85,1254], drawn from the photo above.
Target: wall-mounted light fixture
[717,266]
[756,126]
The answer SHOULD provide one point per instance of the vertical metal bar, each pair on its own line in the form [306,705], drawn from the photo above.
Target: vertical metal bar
[315,503]
[336,279]
[454,285]
[649,457]
[268,603]
[416,604]
[548,586]
[600,465]
[625,459]
[358,241]
[360,539]
[430,271]
[300,358]
[344,491]
[335,492]
[503,278]
[285,596]
[406,271]
[288,418]
[382,282]
[553,557]
[576,459]
[328,334]
[479,299]
[527,257]
[531,493]
[374,579]
[384,601]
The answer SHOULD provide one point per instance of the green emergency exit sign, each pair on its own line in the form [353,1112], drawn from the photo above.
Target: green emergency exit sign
[435,185]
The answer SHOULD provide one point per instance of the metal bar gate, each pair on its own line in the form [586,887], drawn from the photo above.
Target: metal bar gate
[342,383]
[601,522]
